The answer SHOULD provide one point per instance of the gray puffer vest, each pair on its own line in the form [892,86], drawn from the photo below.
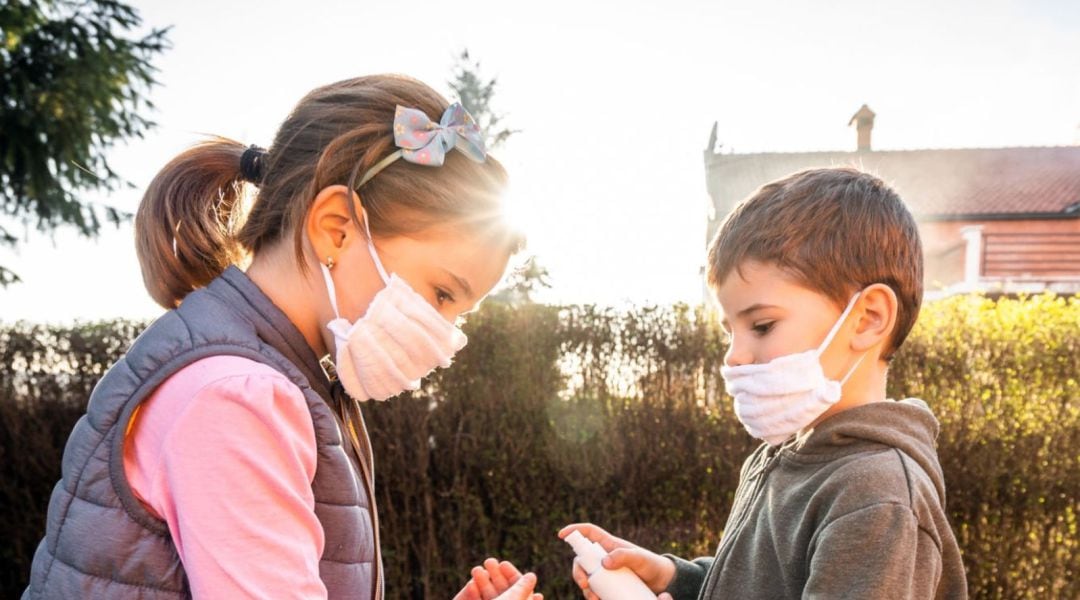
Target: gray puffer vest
[99,540]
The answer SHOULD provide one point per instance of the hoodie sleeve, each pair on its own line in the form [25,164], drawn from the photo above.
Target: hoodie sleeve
[689,577]
[875,552]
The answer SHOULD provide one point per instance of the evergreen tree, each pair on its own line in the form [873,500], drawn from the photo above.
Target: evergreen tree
[74,79]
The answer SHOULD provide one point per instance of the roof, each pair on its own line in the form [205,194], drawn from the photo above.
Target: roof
[1027,182]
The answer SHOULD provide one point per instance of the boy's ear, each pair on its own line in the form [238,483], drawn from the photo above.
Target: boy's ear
[329,224]
[877,309]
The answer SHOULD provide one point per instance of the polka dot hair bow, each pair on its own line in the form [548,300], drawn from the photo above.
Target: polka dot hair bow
[424,142]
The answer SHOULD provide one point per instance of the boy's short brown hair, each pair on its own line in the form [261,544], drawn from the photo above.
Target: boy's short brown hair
[836,231]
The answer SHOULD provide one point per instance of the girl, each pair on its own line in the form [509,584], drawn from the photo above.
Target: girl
[225,454]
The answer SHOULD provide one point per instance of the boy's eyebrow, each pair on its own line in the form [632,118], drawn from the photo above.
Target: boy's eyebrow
[464,285]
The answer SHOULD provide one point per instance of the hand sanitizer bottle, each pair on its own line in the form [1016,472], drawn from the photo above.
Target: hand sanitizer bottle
[620,584]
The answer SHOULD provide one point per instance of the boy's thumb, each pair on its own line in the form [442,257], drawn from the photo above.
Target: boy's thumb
[632,558]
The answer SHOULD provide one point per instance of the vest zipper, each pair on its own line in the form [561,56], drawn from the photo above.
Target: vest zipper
[363,453]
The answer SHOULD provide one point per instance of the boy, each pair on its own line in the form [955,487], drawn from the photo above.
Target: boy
[819,278]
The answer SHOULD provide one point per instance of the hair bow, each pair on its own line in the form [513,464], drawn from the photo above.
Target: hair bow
[424,142]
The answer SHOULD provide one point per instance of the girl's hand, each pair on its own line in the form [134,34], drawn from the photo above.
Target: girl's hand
[653,569]
[499,581]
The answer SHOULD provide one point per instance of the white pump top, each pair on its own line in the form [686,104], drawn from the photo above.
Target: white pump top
[589,553]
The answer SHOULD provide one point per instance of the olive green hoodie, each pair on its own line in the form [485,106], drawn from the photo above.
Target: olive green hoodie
[854,508]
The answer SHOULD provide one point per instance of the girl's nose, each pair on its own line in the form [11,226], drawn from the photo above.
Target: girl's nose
[736,354]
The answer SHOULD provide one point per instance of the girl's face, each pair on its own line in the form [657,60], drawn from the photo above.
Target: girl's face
[452,269]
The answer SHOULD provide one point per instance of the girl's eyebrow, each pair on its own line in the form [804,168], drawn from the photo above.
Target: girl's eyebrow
[464,285]
[754,308]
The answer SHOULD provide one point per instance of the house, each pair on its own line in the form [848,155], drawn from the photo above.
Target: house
[996,220]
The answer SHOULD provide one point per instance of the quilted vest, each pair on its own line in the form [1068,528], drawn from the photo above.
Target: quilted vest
[100,542]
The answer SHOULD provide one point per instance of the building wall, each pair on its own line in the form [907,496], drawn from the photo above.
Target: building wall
[944,247]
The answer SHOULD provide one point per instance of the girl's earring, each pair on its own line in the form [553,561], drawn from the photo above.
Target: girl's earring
[329,262]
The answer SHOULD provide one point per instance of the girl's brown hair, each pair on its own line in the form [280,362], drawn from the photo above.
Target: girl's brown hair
[193,222]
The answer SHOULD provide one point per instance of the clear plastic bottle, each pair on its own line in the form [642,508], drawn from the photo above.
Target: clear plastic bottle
[619,584]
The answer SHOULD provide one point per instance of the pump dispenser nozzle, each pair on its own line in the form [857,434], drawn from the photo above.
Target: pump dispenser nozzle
[620,584]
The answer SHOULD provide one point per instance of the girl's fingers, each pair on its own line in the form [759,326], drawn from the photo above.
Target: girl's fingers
[483,582]
[522,590]
[498,580]
[509,571]
[469,592]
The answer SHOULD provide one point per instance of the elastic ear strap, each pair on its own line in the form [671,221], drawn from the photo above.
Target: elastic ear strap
[371,248]
[839,322]
[852,370]
[330,289]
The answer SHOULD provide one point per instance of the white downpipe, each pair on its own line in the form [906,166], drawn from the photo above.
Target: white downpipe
[973,254]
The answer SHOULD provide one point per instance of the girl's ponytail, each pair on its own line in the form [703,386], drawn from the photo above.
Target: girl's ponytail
[186,225]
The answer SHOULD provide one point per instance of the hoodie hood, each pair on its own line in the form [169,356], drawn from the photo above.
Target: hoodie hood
[907,425]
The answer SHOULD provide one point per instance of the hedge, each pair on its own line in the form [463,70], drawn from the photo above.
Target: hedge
[559,414]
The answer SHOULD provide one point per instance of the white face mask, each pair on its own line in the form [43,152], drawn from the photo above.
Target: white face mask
[400,339]
[776,399]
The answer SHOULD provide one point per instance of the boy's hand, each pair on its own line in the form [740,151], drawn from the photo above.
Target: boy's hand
[653,569]
[499,581]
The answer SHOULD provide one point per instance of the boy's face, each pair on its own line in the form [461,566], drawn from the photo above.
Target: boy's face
[767,314]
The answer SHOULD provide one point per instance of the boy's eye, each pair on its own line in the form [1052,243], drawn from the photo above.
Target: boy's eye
[762,328]
[442,296]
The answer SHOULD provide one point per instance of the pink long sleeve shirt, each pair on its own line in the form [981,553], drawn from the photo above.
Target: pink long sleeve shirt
[224,452]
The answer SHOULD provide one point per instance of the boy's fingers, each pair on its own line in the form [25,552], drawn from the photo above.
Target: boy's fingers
[633,558]
[498,580]
[595,534]
[483,583]
[665,596]
[588,530]
[580,578]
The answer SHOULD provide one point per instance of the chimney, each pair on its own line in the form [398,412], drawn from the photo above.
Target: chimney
[864,123]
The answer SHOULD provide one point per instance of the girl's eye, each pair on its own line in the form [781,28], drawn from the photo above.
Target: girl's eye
[762,328]
[442,296]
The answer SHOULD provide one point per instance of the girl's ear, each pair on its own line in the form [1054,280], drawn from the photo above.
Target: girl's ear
[877,306]
[329,223]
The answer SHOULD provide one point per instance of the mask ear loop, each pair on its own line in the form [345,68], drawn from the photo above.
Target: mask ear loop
[327,361]
[839,323]
[852,371]
[371,249]
[330,290]
[835,329]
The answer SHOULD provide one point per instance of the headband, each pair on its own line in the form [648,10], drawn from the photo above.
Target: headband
[424,142]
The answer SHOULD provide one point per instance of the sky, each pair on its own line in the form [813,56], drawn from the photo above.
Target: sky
[614,101]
